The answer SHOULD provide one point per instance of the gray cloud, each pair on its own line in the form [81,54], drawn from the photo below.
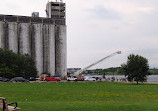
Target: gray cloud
[100,12]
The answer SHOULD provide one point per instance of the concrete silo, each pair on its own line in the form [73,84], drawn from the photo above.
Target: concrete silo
[2,41]
[13,36]
[61,50]
[56,10]
[44,39]
[24,38]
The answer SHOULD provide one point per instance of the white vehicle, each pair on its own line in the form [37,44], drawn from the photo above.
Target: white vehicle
[90,79]
[71,78]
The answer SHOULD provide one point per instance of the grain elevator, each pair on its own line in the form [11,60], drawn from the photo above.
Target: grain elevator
[43,38]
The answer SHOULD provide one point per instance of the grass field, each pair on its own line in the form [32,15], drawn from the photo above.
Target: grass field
[83,96]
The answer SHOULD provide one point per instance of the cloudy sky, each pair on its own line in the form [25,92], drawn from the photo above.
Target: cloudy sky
[97,28]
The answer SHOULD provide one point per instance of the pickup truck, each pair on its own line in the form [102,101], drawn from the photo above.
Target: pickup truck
[72,78]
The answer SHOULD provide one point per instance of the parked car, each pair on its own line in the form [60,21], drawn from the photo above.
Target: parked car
[98,78]
[72,78]
[38,78]
[19,79]
[32,79]
[3,79]
[90,79]
[52,79]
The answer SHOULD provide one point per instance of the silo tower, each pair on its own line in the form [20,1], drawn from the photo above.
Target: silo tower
[56,10]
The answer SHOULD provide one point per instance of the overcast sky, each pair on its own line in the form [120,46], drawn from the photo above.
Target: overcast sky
[97,28]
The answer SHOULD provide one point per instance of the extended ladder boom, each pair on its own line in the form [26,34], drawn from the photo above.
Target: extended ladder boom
[80,71]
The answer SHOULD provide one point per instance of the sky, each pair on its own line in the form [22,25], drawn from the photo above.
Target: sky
[98,28]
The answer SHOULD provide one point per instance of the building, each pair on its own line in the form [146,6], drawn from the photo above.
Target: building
[44,39]
[55,10]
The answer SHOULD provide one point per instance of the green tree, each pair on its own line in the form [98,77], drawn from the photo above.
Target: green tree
[136,68]
[6,72]
[29,69]
[16,65]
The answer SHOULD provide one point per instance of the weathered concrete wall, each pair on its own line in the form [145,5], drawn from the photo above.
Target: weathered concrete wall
[38,47]
[45,43]
[45,47]
[2,31]
[24,38]
[61,50]
[49,49]
[51,57]
[13,36]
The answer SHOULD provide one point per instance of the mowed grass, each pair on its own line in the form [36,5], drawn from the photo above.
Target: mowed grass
[82,96]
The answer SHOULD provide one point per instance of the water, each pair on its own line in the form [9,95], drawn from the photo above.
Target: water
[151,78]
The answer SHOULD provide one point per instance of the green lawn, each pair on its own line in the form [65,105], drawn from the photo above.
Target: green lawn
[82,96]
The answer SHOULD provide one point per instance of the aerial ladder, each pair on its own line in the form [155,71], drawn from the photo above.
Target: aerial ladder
[95,63]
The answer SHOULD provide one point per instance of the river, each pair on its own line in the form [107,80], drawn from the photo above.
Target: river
[150,78]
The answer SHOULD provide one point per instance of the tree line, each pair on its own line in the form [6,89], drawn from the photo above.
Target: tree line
[107,71]
[16,65]
[116,71]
